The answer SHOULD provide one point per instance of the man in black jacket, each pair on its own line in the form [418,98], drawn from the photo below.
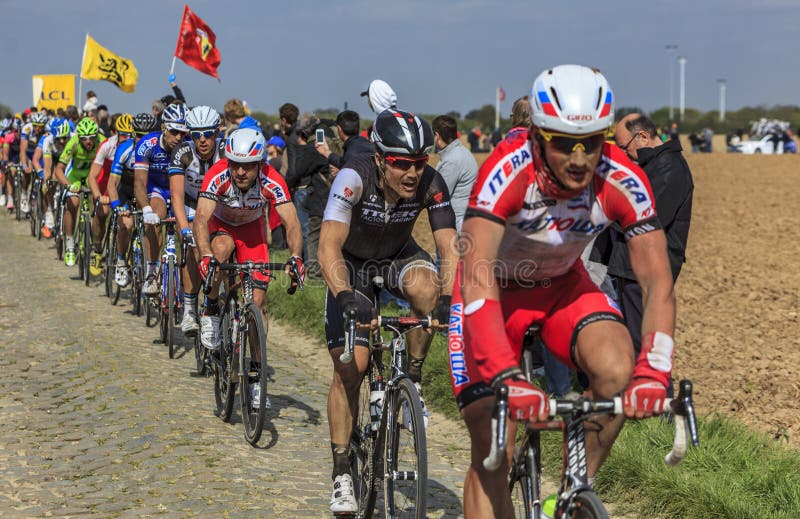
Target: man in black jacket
[672,186]
[347,126]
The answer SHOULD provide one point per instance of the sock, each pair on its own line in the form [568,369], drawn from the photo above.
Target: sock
[341,460]
[150,271]
[121,257]
[212,306]
[189,303]
[70,242]
[415,369]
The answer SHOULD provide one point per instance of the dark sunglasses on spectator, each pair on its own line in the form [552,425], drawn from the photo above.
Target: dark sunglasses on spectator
[404,164]
[568,143]
[208,134]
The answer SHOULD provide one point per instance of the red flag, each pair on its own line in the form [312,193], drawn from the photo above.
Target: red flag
[501,94]
[197,44]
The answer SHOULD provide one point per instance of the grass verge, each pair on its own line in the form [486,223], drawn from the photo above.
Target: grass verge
[735,474]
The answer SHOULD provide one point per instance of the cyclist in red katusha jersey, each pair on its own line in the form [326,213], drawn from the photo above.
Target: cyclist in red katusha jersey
[540,198]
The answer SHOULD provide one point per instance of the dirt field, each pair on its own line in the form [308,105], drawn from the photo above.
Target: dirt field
[738,331]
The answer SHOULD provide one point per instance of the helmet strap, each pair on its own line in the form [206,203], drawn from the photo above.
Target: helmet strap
[548,183]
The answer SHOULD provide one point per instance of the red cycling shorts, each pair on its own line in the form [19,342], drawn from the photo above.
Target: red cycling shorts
[562,306]
[250,240]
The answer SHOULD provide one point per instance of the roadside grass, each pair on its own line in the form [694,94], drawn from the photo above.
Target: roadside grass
[736,473]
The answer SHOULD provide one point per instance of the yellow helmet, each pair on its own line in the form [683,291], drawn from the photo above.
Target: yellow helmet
[124,124]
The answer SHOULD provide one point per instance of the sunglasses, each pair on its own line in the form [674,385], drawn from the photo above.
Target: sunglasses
[175,132]
[208,134]
[405,164]
[628,144]
[88,138]
[565,143]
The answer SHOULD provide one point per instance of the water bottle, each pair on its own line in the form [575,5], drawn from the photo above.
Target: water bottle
[376,401]
[549,507]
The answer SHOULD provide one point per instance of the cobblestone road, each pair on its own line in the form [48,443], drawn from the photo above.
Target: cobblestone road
[98,421]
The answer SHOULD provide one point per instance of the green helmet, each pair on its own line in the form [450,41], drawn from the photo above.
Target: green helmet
[86,128]
[63,130]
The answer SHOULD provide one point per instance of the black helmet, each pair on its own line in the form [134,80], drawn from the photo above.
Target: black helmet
[402,133]
[144,123]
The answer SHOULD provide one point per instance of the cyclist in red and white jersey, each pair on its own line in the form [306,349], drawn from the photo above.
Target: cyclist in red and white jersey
[540,198]
[230,218]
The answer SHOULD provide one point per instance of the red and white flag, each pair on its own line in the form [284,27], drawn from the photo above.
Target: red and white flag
[501,94]
[197,44]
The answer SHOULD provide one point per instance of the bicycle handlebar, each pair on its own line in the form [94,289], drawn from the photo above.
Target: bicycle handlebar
[396,323]
[250,266]
[682,409]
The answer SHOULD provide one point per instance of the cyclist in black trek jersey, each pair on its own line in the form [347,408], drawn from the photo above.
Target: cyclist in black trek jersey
[366,231]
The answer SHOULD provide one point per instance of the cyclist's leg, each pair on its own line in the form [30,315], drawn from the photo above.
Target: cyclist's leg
[585,330]
[222,246]
[191,285]
[157,199]
[251,245]
[412,275]
[124,231]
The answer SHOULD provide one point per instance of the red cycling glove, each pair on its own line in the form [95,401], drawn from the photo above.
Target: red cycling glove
[526,401]
[203,265]
[648,388]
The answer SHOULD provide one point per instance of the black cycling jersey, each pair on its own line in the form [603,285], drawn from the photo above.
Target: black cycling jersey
[185,161]
[379,230]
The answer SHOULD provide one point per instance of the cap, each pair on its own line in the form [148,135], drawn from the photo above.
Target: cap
[277,141]
[381,95]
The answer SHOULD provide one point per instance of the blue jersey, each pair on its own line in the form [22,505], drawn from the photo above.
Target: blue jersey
[154,159]
[124,161]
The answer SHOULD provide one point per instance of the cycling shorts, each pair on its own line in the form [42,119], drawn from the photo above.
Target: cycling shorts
[250,240]
[563,306]
[360,273]
[154,191]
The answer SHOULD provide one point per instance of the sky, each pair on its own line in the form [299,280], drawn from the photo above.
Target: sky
[439,55]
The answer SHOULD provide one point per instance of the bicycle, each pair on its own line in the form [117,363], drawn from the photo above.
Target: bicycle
[83,235]
[109,255]
[58,212]
[16,172]
[134,259]
[34,203]
[171,299]
[575,497]
[388,442]
[243,336]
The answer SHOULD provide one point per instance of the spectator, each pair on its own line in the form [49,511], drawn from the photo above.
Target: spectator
[497,136]
[275,148]
[237,116]
[347,127]
[708,137]
[380,96]
[103,122]
[672,185]
[298,179]
[474,140]
[673,132]
[521,115]
[696,141]
[91,101]
[288,114]
[456,164]
[157,108]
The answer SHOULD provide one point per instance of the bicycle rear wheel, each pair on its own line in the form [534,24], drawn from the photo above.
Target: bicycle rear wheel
[200,356]
[253,372]
[33,207]
[524,481]
[586,505]
[224,383]
[365,453]
[18,195]
[109,250]
[405,458]
[136,265]
[59,228]
[168,306]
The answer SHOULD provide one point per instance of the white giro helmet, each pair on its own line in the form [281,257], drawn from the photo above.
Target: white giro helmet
[202,117]
[572,99]
[245,145]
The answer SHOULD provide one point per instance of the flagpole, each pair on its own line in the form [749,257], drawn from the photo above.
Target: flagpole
[172,68]
[78,102]
[497,108]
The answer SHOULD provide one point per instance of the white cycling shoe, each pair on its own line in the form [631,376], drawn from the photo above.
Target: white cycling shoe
[343,498]
[209,331]
[189,324]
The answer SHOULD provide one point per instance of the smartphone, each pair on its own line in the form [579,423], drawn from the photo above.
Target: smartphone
[320,136]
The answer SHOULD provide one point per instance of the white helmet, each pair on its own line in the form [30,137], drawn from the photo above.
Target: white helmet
[245,145]
[202,117]
[572,99]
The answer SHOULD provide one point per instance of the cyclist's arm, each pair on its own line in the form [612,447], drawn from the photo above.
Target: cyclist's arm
[141,171]
[37,159]
[294,234]
[180,158]
[331,240]
[60,176]
[446,243]
[64,159]
[648,253]
[48,166]
[23,154]
[113,187]
[205,209]
[94,172]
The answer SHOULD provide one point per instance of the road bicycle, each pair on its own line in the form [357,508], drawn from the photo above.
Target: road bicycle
[58,213]
[35,205]
[15,170]
[575,497]
[134,259]
[83,235]
[171,298]
[242,356]
[109,255]
[388,442]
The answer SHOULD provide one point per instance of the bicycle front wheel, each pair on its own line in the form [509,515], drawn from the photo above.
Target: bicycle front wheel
[524,481]
[253,369]
[586,505]
[87,250]
[405,458]
[33,207]
[365,453]
[168,307]
[224,384]
[109,248]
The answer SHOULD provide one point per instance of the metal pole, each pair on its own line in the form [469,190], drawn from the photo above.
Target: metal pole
[670,57]
[682,62]
[496,108]
[722,88]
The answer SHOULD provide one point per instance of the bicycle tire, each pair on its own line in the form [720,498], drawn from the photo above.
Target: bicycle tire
[405,457]
[364,449]
[59,225]
[136,264]
[585,505]
[33,208]
[88,249]
[17,196]
[250,371]
[224,383]
[200,357]
[109,251]
[525,479]
[150,313]
[169,316]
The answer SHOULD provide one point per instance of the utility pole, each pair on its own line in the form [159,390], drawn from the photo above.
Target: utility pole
[671,49]
[682,62]
[722,87]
